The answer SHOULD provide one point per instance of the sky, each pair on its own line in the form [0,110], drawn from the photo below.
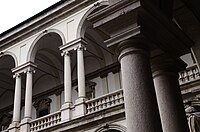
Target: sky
[13,12]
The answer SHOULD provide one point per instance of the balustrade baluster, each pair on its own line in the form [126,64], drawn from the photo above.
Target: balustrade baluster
[50,121]
[97,105]
[94,106]
[110,101]
[90,107]
[100,104]
[117,98]
[106,102]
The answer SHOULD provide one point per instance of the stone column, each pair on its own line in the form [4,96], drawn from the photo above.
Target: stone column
[81,72]
[165,74]
[17,105]
[67,78]
[65,110]
[17,99]
[80,102]
[141,108]
[25,126]
[28,96]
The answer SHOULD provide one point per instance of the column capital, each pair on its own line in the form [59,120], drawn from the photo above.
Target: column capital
[30,71]
[80,47]
[24,68]
[66,53]
[16,75]
[166,63]
[74,44]
[137,45]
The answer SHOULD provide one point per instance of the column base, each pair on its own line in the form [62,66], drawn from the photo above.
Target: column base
[25,125]
[66,112]
[80,107]
[14,127]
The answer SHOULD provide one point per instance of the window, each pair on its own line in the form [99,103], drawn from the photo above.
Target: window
[42,107]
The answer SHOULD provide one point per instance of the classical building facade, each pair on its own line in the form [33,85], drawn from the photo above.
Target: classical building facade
[101,66]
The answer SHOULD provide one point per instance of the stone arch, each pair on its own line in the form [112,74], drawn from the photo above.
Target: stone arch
[8,61]
[34,47]
[83,24]
[116,127]
[12,55]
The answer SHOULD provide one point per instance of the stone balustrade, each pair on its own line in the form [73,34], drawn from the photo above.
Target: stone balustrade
[106,101]
[45,122]
[189,75]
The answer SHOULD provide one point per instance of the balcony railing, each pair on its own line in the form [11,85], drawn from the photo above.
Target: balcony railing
[105,101]
[189,75]
[45,122]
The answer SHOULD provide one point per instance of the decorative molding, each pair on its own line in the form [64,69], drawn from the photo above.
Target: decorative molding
[123,36]
[28,66]
[110,13]
[73,45]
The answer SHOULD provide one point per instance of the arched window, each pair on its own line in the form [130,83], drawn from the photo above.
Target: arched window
[42,107]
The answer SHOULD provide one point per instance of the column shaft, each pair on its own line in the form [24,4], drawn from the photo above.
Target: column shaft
[28,96]
[17,99]
[141,108]
[81,72]
[169,99]
[67,78]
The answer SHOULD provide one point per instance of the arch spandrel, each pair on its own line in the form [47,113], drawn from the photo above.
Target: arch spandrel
[83,24]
